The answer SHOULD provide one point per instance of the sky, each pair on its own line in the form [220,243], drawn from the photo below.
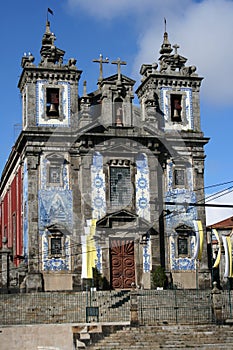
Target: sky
[132,30]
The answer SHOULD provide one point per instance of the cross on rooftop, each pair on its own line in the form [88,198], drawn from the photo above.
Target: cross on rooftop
[176,47]
[100,60]
[119,64]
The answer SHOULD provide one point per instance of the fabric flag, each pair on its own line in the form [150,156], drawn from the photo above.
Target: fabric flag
[199,240]
[50,11]
[217,261]
[228,255]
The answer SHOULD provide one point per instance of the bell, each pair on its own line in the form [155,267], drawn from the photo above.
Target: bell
[176,114]
[119,122]
[53,109]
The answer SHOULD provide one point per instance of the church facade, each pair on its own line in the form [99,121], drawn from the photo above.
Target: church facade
[97,183]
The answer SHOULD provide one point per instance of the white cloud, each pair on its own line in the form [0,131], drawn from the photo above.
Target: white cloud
[203,30]
[215,214]
[204,33]
[108,9]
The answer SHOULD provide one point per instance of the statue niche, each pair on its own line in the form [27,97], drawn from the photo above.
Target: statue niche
[118,112]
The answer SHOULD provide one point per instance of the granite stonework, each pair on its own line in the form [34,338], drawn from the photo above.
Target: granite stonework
[100,186]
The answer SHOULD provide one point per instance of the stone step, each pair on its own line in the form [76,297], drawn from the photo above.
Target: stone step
[162,337]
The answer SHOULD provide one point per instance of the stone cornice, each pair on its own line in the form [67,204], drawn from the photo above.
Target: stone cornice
[174,81]
[32,74]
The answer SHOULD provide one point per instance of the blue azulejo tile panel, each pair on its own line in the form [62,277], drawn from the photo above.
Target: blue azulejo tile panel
[99,258]
[147,257]
[49,263]
[142,187]
[182,263]
[187,104]
[64,92]
[188,176]
[98,194]
[55,207]
[180,214]
[44,173]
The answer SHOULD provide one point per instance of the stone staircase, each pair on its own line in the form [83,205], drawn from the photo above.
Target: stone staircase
[218,337]
[113,306]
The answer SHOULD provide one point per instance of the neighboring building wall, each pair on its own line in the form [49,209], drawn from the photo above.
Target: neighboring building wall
[220,241]
[11,216]
[11,224]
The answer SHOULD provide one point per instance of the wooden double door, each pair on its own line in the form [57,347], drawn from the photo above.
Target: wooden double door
[122,263]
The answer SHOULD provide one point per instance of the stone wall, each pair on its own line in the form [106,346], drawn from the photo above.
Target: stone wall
[174,306]
[37,337]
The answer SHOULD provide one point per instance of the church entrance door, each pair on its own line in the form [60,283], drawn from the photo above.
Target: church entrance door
[122,263]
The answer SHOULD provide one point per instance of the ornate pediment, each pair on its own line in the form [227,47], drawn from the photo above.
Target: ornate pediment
[182,228]
[58,228]
[121,218]
[124,80]
[124,218]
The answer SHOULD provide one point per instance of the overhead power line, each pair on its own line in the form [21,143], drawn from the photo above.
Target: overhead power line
[200,204]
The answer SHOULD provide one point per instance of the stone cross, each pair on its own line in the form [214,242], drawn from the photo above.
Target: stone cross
[100,60]
[176,47]
[119,63]
[85,88]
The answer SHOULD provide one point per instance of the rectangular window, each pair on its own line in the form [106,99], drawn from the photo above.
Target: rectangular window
[176,108]
[120,186]
[182,245]
[179,177]
[56,246]
[55,174]
[14,232]
[52,100]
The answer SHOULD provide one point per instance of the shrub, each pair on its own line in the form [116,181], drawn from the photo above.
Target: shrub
[159,277]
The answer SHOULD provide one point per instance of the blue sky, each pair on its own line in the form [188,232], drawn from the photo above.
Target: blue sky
[132,30]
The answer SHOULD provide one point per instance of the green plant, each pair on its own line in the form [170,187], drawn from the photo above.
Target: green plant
[159,277]
[99,281]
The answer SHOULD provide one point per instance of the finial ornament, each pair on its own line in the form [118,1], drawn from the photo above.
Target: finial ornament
[165,25]
[100,60]
[176,47]
[119,63]
[85,88]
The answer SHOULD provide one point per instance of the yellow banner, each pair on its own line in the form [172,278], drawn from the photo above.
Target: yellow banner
[230,255]
[201,239]
[217,261]
[91,250]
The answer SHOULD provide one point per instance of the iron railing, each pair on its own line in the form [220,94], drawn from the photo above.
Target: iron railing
[175,306]
[64,307]
[153,307]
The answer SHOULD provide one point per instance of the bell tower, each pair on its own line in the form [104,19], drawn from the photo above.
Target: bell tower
[169,95]
[49,90]
[172,89]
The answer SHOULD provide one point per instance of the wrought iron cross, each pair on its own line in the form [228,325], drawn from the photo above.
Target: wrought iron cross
[100,60]
[119,64]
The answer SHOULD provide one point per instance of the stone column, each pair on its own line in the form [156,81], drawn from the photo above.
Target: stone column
[204,273]
[217,304]
[134,320]
[5,253]
[34,279]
